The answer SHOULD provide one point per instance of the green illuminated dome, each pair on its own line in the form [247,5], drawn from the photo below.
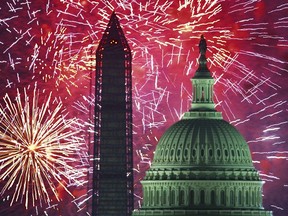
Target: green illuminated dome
[202,165]
[194,142]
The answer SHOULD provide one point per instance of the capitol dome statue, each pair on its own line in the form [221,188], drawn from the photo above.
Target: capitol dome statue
[202,165]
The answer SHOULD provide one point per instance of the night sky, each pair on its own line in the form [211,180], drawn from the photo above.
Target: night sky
[48,47]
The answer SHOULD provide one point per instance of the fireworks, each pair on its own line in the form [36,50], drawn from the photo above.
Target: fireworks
[53,43]
[37,149]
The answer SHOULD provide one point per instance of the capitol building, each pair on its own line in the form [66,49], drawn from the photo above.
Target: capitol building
[202,165]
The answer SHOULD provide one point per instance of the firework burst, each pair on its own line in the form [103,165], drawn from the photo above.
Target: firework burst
[37,149]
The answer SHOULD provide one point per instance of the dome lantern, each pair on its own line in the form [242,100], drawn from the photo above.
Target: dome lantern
[202,83]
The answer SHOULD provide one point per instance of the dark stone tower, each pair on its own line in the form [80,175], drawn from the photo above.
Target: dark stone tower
[113,164]
[202,165]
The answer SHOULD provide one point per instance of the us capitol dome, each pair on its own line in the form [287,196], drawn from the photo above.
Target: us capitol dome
[202,165]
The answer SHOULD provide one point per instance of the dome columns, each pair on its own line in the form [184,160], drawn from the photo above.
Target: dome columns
[202,95]
[209,194]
